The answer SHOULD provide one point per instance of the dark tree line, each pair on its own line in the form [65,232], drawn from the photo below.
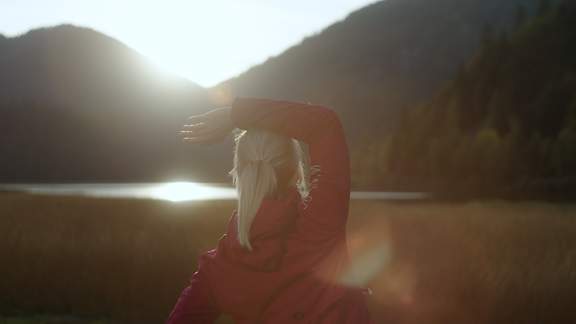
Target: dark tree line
[506,124]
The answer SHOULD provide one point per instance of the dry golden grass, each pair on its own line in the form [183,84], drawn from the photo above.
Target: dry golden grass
[491,262]
[51,319]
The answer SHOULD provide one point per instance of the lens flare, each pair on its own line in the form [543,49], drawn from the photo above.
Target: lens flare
[365,266]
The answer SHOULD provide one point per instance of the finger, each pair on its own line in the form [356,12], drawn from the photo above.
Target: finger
[188,129]
[194,132]
[196,126]
[196,119]
[198,140]
[204,139]
[191,139]
[193,128]
[205,132]
[207,141]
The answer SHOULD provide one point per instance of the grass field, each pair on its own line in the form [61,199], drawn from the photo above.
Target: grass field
[51,319]
[127,259]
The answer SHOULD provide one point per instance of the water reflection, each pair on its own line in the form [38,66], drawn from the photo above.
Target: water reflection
[185,191]
[171,191]
[177,191]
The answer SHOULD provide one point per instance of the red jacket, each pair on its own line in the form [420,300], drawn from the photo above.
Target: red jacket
[299,247]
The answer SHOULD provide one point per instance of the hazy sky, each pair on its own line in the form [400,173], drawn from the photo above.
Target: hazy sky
[205,41]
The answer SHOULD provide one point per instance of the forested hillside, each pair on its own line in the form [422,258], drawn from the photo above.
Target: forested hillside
[380,59]
[506,125]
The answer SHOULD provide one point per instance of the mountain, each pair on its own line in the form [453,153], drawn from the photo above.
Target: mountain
[379,59]
[73,66]
[506,125]
[77,105]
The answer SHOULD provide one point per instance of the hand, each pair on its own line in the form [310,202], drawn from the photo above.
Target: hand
[210,127]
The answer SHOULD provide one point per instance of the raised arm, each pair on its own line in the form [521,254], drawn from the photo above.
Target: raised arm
[319,127]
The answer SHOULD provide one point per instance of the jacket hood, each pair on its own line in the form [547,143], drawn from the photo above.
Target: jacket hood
[273,221]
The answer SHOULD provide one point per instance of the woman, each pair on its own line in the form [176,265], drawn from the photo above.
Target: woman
[283,256]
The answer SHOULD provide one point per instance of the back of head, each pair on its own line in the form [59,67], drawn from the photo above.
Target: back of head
[265,164]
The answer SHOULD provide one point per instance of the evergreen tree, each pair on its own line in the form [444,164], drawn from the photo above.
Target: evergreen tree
[520,16]
[544,7]
[487,38]
[507,119]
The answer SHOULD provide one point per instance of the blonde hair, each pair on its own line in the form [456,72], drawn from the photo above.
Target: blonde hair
[259,158]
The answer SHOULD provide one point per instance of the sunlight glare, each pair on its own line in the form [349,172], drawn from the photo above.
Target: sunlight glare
[186,191]
[367,266]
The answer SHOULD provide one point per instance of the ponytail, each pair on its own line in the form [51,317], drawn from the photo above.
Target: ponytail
[255,181]
[263,162]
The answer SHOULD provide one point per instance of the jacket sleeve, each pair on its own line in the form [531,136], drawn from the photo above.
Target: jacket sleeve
[195,303]
[320,128]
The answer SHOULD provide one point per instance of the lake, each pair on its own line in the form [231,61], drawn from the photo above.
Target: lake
[171,191]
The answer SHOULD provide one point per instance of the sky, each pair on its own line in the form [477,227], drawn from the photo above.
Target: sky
[205,41]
